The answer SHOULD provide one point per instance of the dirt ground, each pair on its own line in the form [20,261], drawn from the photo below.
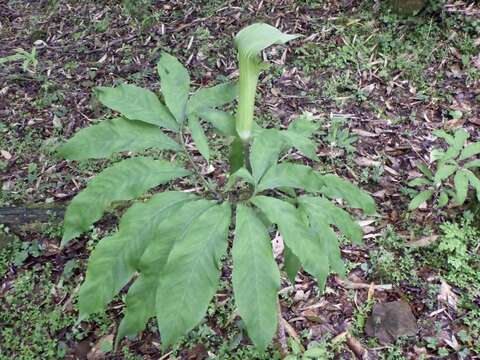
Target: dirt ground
[386,81]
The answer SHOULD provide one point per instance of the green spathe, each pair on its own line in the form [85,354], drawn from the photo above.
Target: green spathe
[250,42]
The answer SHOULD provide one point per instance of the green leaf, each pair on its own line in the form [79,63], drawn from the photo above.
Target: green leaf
[297,235]
[306,146]
[241,173]
[321,208]
[291,175]
[264,152]
[419,182]
[236,156]
[190,277]
[444,135]
[140,301]
[124,180]
[461,135]
[136,103]
[175,83]
[472,164]
[139,306]
[461,186]
[420,199]
[319,221]
[469,151]
[425,170]
[212,97]
[199,137]
[221,121]
[255,278]
[442,199]
[443,172]
[116,257]
[474,181]
[112,136]
[337,188]
[437,154]
[303,126]
[291,264]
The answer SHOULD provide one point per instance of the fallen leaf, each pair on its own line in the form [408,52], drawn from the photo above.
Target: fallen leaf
[423,241]
[447,296]
[364,161]
[6,154]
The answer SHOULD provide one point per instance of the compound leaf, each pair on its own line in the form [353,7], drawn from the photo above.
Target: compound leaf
[124,180]
[140,300]
[322,209]
[336,187]
[420,199]
[175,84]
[199,137]
[116,257]
[136,103]
[112,136]
[291,175]
[297,235]
[190,277]
[255,278]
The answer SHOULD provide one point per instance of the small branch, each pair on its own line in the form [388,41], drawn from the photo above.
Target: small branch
[282,339]
[351,285]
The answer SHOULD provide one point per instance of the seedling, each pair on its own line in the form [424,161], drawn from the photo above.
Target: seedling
[453,174]
[29,59]
[172,245]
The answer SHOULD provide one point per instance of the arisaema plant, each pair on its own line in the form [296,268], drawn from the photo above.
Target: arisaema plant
[169,246]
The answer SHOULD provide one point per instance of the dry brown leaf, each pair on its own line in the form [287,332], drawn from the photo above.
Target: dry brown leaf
[423,241]
[364,161]
[447,296]
[6,154]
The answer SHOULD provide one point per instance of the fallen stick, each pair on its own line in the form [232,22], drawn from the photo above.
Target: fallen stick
[356,286]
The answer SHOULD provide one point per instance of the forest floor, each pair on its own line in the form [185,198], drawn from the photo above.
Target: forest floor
[378,85]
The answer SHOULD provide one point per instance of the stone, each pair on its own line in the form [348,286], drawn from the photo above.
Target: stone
[390,321]
[407,7]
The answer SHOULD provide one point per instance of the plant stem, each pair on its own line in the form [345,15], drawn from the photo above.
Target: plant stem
[246,155]
[218,196]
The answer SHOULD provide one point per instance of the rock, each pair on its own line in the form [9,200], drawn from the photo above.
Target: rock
[391,320]
[407,7]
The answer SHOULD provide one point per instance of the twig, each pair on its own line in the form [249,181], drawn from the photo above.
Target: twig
[357,348]
[351,285]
